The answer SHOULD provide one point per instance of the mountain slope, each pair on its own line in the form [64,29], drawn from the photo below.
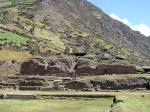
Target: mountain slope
[55,25]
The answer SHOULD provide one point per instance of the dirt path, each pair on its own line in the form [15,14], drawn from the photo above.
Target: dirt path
[71,94]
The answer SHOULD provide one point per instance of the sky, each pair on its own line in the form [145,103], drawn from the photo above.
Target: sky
[134,13]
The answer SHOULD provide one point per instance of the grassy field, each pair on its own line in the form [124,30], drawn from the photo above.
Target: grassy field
[137,101]
[12,37]
[67,105]
[4,3]
[7,55]
[133,103]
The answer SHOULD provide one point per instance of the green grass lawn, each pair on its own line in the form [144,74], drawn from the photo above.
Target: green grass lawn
[137,101]
[12,37]
[133,103]
[4,3]
[7,55]
[57,105]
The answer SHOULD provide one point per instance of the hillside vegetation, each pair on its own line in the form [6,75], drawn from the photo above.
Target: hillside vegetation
[55,26]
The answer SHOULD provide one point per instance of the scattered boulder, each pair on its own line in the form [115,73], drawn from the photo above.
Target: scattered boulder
[106,56]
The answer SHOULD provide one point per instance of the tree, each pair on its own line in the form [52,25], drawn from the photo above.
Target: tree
[32,29]
[67,50]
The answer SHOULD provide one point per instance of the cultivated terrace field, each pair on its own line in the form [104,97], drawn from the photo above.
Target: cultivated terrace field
[64,84]
[69,56]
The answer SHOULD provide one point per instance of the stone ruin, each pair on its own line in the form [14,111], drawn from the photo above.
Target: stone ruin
[58,72]
[68,66]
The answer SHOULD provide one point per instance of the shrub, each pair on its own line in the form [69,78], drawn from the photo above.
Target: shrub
[67,50]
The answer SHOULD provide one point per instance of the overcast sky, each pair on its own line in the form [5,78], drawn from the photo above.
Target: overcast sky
[134,13]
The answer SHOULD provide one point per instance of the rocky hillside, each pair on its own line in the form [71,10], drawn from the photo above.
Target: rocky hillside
[46,27]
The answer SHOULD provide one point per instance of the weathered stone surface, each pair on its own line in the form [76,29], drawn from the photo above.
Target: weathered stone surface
[33,67]
[121,84]
[115,69]
[65,66]
[43,82]
[8,68]
[78,85]
[33,81]
[85,67]
[106,56]
[24,82]
[86,70]
[62,66]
